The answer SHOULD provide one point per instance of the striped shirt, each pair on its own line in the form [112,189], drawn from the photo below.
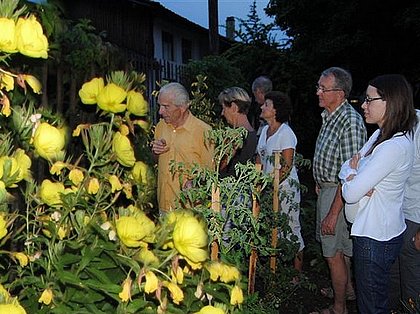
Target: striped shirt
[342,135]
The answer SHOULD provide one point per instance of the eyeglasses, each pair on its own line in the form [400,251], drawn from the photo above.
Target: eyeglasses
[368,100]
[325,90]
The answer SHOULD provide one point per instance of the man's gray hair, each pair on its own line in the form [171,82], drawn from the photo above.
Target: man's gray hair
[263,83]
[179,93]
[342,79]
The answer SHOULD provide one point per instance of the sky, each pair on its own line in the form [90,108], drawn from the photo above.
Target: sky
[197,11]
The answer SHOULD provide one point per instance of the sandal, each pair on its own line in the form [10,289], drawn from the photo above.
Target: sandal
[328,292]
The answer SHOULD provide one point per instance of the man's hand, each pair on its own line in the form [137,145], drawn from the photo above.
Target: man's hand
[328,224]
[159,146]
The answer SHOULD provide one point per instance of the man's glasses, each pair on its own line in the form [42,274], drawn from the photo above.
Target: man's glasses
[326,90]
[368,99]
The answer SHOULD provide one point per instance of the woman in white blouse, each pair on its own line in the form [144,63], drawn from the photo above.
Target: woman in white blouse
[375,180]
[277,136]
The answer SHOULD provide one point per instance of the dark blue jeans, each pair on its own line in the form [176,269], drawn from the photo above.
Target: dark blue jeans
[372,263]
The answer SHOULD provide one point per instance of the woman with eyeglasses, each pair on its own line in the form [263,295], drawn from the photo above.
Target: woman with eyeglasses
[278,136]
[375,178]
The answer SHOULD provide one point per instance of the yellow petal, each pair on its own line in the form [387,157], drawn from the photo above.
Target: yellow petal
[3,229]
[22,258]
[24,164]
[50,192]
[93,186]
[111,97]
[147,257]
[177,275]
[124,130]
[7,81]
[49,141]
[136,104]
[90,90]
[34,83]
[139,172]
[46,297]
[30,39]
[191,239]
[209,309]
[57,167]
[7,35]
[176,292]
[115,183]
[152,282]
[122,148]
[12,308]
[125,294]
[133,230]
[76,176]
[236,296]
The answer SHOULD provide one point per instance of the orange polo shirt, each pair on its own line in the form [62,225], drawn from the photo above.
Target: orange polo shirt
[187,144]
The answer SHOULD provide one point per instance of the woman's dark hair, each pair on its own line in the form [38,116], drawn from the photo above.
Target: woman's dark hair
[282,105]
[400,115]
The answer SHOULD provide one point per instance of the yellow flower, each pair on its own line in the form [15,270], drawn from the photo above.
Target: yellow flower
[22,258]
[50,192]
[208,309]
[152,282]
[57,167]
[24,163]
[145,125]
[7,35]
[139,172]
[121,146]
[177,275]
[236,296]
[30,39]
[215,269]
[13,172]
[7,81]
[136,104]
[33,82]
[128,190]
[79,128]
[124,130]
[176,292]
[190,239]
[5,102]
[147,257]
[229,273]
[46,297]
[115,183]
[3,229]
[49,141]
[62,232]
[93,186]
[90,90]
[12,308]
[4,294]
[110,98]
[132,230]
[125,294]
[76,176]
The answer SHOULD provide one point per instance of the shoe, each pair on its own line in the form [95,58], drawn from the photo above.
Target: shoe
[329,293]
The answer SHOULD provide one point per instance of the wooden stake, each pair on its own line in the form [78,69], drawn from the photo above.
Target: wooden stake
[274,233]
[215,206]
[254,254]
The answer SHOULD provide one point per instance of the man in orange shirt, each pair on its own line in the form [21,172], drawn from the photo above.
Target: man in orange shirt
[181,137]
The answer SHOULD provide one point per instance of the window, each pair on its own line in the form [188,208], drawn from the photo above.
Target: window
[186,50]
[167,46]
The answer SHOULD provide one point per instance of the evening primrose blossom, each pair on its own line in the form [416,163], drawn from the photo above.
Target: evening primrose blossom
[49,141]
[190,239]
[21,257]
[136,104]
[46,297]
[3,229]
[115,183]
[76,176]
[209,309]
[176,293]
[122,148]
[139,172]
[7,35]
[93,186]
[134,230]
[90,90]
[30,40]
[125,294]
[12,308]
[236,296]
[50,192]
[152,282]
[110,98]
